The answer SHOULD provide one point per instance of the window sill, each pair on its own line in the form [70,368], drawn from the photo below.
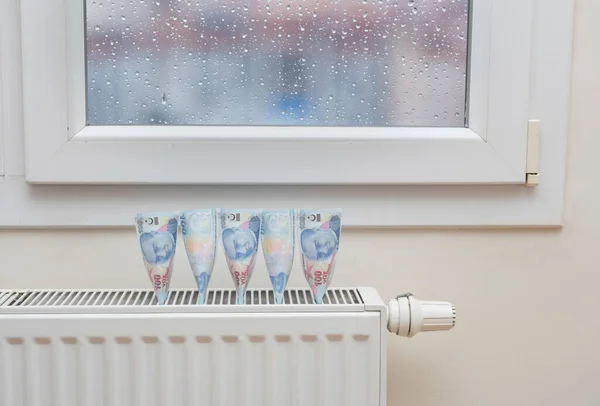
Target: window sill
[44,206]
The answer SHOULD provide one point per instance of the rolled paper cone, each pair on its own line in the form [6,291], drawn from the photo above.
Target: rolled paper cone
[199,230]
[279,282]
[278,234]
[162,295]
[319,234]
[157,236]
[240,235]
[241,295]
[321,291]
[202,281]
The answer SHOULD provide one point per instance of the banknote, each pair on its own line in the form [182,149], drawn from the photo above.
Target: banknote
[199,231]
[278,240]
[240,233]
[157,235]
[319,234]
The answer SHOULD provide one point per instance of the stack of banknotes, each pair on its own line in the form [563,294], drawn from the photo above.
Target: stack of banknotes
[240,233]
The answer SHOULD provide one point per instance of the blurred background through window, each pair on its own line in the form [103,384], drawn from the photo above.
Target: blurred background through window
[269,62]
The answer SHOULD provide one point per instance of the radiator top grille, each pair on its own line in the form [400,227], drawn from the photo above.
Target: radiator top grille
[143,300]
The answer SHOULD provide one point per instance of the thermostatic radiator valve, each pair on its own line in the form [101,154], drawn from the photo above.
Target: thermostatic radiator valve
[408,316]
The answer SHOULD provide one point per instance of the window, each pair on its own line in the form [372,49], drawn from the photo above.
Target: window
[2,125]
[414,113]
[333,63]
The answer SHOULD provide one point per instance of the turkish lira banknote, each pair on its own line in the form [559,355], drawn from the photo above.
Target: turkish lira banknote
[278,241]
[319,234]
[240,233]
[157,235]
[199,231]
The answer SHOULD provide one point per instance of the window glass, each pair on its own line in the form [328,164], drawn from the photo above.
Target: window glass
[271,62]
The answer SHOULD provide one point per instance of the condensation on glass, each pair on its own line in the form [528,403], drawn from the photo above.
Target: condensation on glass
[270,62]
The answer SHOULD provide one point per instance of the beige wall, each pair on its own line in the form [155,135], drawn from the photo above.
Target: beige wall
[528,301]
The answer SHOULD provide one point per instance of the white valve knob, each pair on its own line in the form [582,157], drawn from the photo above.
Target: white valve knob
[408,316]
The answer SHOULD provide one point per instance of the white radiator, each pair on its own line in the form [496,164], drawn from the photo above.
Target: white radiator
[119,348]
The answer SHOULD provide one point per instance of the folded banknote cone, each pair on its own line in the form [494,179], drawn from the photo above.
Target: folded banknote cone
[199,231]
[319,234]
[240,236]
[157,236]
[278,232]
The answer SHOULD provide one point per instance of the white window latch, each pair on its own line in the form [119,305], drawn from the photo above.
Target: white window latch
[532,173]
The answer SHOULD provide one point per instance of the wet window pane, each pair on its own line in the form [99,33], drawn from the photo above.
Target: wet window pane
[271,62]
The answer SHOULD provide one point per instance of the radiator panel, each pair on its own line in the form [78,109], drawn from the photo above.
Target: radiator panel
[228,359]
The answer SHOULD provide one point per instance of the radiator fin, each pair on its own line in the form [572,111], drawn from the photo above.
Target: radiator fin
[336,299]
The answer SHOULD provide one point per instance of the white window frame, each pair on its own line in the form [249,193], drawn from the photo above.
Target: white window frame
[492,150]
[517,74]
